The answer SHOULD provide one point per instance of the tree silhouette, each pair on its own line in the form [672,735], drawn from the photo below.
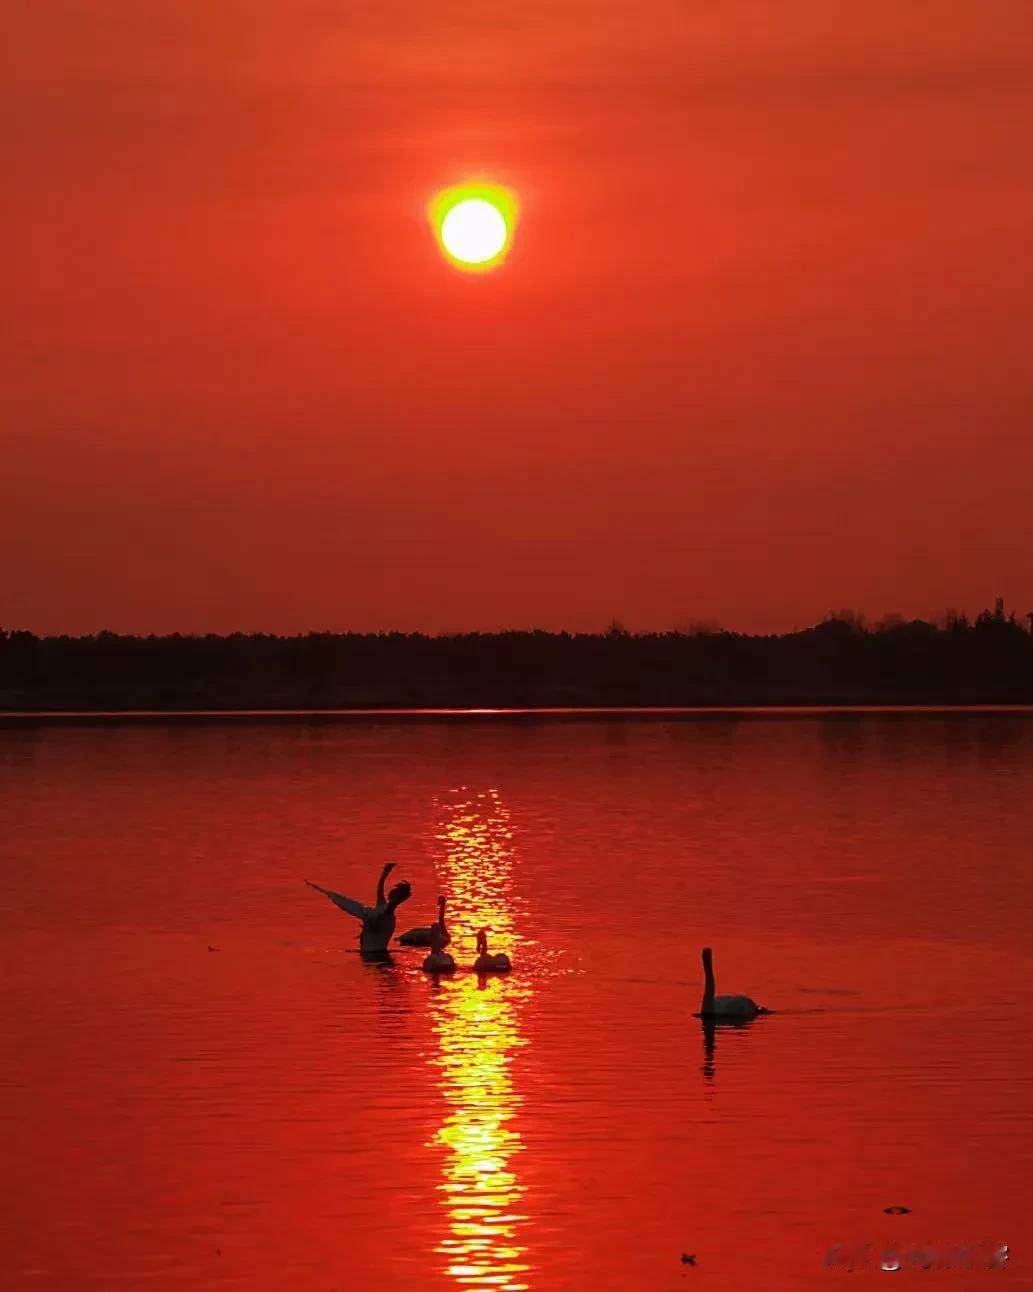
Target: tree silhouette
[840,660]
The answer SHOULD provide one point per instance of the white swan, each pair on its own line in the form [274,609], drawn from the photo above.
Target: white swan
[487,963]
[723,1006]
[422,937]
[439,961]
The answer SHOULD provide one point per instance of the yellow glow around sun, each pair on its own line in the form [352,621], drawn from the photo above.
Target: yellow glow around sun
[474,224]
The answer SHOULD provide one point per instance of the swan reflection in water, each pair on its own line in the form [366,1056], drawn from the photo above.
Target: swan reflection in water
[711,1026]
[477,1022]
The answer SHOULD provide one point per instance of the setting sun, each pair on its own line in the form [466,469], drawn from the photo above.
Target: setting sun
[474,231]
[474,224]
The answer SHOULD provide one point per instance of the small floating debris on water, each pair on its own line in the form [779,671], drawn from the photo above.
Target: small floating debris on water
[686,1259]
[897,1211]
[213,948]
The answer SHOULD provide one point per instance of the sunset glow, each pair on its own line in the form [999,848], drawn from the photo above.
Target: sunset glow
[748,253]
[516,644]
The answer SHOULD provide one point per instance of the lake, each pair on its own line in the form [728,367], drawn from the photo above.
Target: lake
[206,1086]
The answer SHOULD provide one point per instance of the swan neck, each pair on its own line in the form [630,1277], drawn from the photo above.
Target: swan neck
[708,985]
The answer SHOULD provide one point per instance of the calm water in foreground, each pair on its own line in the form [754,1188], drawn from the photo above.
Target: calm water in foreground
[277,1114]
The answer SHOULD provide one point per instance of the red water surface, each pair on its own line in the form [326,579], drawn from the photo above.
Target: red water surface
[275,1113]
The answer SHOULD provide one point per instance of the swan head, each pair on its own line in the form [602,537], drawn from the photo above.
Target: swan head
[441,905]
[708,957]
[400,893]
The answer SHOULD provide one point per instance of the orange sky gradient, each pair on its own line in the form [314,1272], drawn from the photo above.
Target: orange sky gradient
[761,348]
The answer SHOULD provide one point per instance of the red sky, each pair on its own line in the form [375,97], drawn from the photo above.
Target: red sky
[761,349]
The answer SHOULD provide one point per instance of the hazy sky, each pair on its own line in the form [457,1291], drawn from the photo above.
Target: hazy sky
[762,347]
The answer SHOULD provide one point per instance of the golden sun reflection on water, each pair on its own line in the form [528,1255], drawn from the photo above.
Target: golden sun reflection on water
[478,1027]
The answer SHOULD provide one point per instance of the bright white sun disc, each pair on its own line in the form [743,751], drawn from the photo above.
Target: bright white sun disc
[474,231]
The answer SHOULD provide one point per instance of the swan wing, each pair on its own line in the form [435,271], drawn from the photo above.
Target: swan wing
[348,904]
[734,1005]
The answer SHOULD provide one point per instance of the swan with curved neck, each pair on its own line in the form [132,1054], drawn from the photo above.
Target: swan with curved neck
[486,962]
[423,937]
[439,961]
[714,1006]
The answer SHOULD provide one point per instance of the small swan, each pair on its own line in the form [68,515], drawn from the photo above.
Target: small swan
[439,961]
[421,937]
[723,1006]
[486,963]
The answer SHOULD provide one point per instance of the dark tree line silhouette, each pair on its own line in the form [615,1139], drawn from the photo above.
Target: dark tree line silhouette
[986,660]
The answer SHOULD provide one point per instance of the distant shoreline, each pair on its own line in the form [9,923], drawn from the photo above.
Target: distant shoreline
[631,713]
[837,664]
